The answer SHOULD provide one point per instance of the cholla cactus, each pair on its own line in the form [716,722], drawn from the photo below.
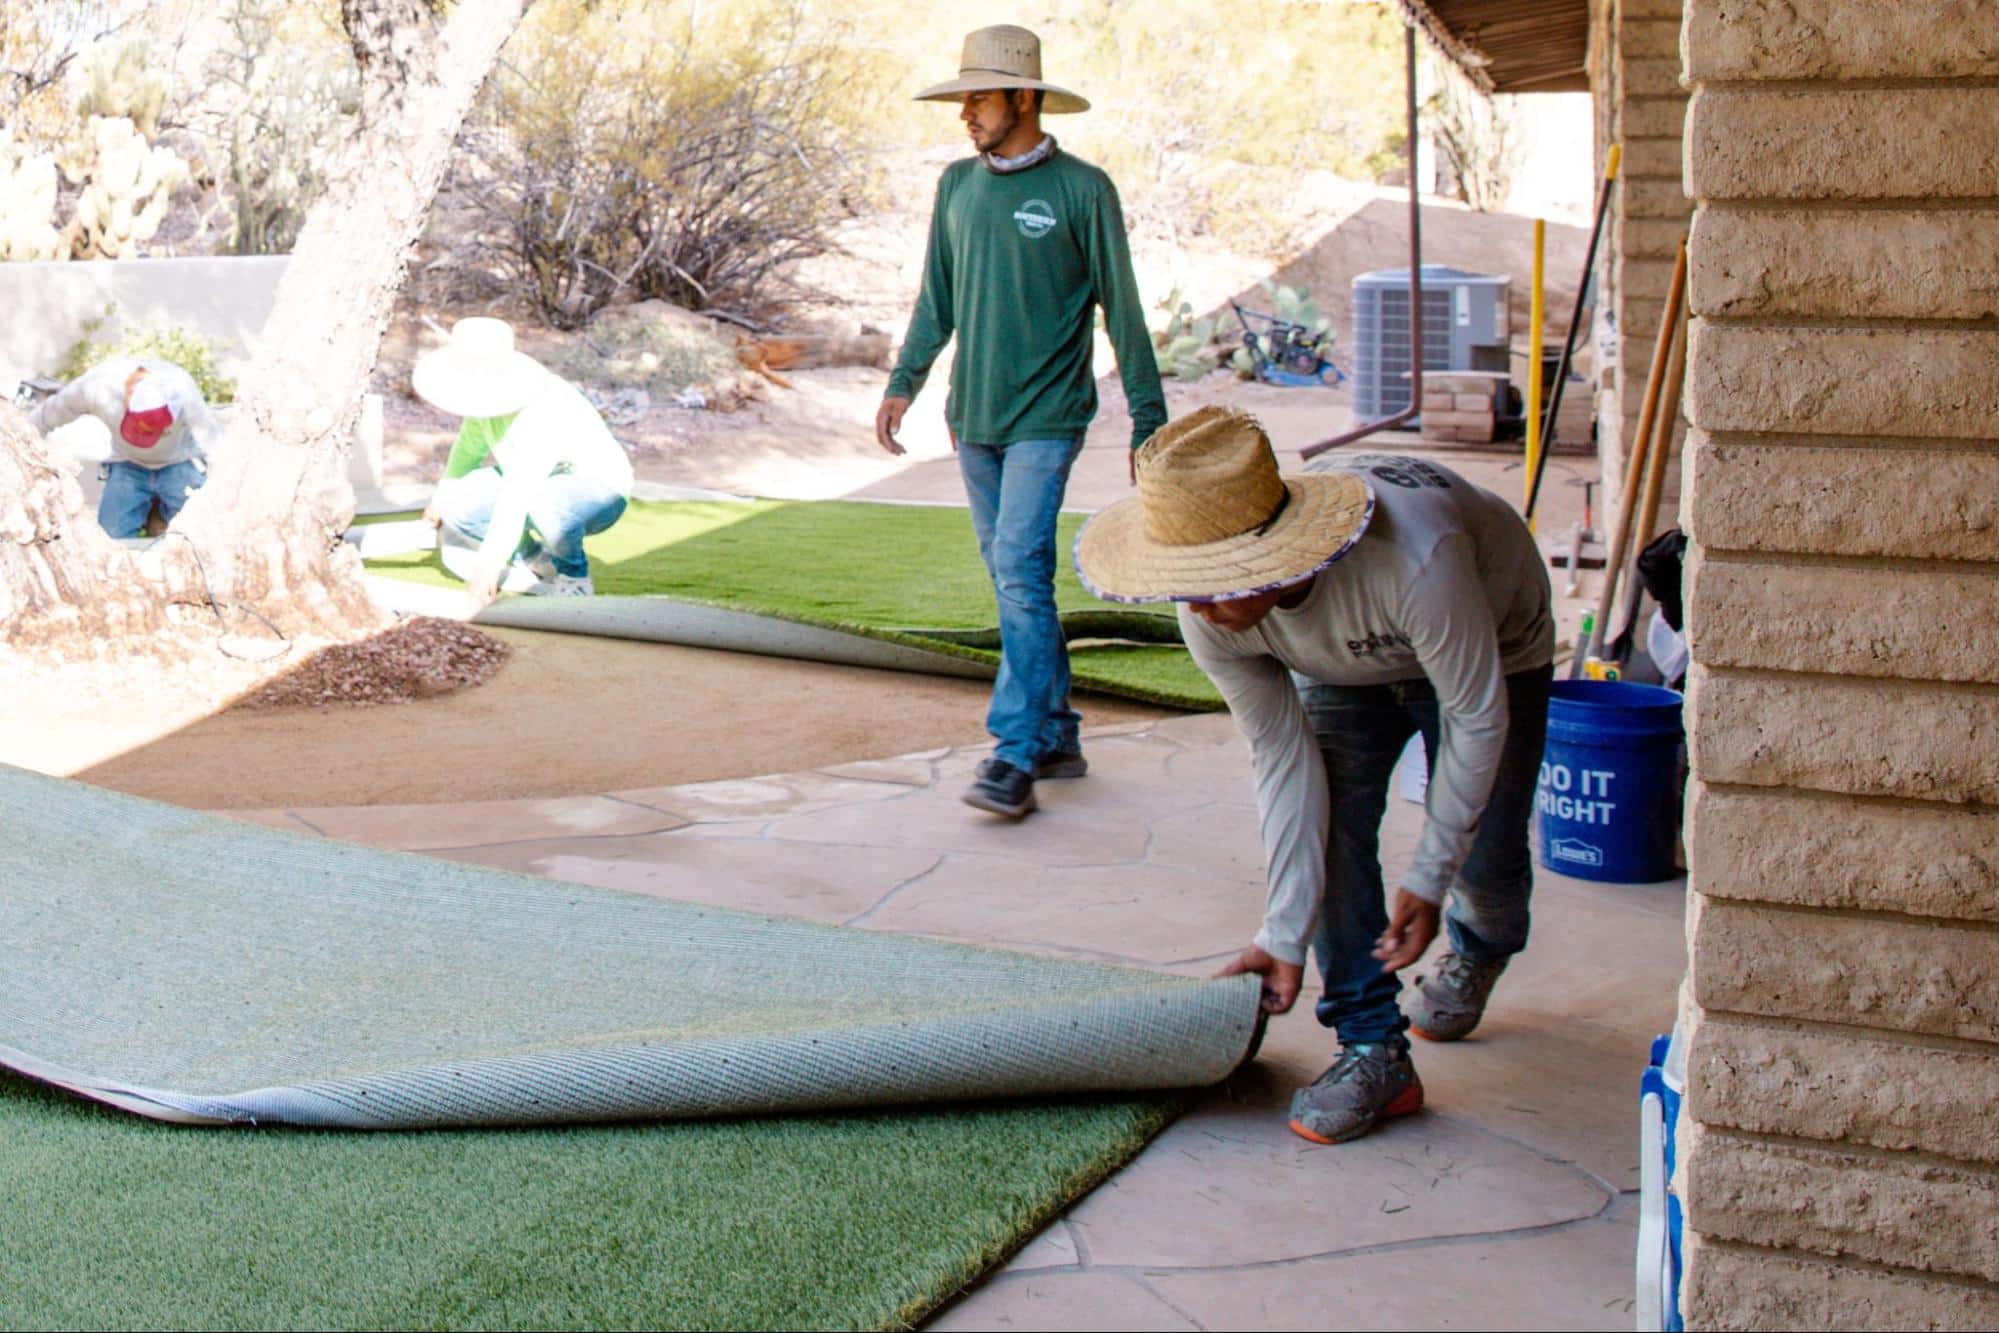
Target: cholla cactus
[118,81]
[127,185]
[296,115]
[27,204]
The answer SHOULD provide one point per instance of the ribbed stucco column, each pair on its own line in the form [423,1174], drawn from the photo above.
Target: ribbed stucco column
[1840,1164]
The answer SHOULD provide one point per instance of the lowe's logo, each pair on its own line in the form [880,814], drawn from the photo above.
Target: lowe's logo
[1575,849]
[1034,218]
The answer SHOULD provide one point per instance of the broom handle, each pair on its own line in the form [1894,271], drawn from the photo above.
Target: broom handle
[1662,439]
[1634,468]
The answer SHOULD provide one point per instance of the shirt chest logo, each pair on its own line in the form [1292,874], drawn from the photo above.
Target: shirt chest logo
[1376,642]
[1035,219]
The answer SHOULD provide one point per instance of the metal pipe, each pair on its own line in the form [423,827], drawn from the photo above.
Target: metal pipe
[1554,404]
[1415,276]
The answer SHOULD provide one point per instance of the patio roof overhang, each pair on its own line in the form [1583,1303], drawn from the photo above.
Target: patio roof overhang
[1511,46]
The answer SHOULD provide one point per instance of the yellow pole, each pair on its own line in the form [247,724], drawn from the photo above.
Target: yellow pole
[1534,317]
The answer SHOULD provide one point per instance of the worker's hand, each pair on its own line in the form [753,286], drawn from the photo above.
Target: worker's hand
[432,516]
[888,420]
[1281,980]
[1412,924]
[482,588]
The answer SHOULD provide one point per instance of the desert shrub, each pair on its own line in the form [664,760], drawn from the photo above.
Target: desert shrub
[656,151]
[643,347]
[191,350]
[42,43]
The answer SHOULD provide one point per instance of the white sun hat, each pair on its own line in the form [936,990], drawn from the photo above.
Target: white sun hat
[478,373]
[1003,56]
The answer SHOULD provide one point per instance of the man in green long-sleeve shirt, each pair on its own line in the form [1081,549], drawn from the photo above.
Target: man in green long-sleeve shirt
[1026,243]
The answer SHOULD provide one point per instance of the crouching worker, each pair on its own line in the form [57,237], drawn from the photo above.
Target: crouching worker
[1406,600]
[534,469]
[159,425]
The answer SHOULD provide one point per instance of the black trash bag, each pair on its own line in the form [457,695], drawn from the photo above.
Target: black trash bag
[1659,568]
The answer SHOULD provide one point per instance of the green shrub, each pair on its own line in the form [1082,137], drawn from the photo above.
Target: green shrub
[191,350]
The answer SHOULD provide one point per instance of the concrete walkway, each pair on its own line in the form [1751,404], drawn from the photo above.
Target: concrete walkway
[1509,1203]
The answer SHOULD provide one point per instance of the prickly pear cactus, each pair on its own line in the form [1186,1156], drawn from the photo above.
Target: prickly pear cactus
[127,186]
[27,204]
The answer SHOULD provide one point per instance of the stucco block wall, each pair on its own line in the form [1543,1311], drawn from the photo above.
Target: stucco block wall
[1840,1158]
[49,305]
[1641,104]
[1781,1290]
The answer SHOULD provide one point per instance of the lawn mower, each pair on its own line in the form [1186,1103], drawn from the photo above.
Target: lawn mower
[1284,352]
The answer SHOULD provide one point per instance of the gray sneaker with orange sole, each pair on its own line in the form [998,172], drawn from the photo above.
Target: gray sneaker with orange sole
[1371,1082]
[1451,1003]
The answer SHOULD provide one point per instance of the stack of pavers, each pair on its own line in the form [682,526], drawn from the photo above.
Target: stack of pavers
[1462,405]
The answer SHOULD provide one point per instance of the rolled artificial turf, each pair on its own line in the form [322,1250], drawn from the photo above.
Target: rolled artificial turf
[850,1221]
[871,568]
[181,964]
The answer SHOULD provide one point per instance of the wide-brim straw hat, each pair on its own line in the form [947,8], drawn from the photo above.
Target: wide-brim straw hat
[1004,57]
[1213,520]
[478,373]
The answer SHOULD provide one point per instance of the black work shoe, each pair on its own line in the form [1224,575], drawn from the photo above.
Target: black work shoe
[1371,1082]
[1002,789]
[1062,764]
[1053,765]
[1450,1004]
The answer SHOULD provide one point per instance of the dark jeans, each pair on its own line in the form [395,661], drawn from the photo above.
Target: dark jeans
[1362,731]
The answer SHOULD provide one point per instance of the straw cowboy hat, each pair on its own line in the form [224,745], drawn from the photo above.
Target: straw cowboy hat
[478,373]
[1213,520]
[1003,57]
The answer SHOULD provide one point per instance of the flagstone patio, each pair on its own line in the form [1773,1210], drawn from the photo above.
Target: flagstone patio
[1509,1203]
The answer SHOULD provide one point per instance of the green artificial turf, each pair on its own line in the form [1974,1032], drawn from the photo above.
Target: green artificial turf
[855,1221]
[851,565]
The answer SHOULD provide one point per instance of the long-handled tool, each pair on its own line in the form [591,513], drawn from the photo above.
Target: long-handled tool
[1638,469]
[1535,313]
[1655,485]
[1615,156]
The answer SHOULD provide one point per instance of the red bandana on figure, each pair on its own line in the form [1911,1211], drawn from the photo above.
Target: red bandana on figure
[149,414]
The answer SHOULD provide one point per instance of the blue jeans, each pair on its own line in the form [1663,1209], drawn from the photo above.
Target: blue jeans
[1361,732]
[562,513]
[129,492]
[1016,492]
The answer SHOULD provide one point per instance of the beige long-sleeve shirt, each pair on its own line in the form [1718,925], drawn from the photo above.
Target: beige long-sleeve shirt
[100,392]
[1446,583]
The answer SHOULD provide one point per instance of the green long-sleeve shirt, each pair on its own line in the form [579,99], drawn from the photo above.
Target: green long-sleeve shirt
[1016,265]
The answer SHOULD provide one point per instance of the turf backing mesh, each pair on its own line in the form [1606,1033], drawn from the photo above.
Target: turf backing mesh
[191,967]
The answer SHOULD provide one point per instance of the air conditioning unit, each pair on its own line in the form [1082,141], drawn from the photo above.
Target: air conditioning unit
[1465,327]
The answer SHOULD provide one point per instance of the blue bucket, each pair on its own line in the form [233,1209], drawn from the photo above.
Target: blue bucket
[1608,804]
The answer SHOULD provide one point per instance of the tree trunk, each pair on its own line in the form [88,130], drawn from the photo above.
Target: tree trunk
[65,587]
[264,532]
